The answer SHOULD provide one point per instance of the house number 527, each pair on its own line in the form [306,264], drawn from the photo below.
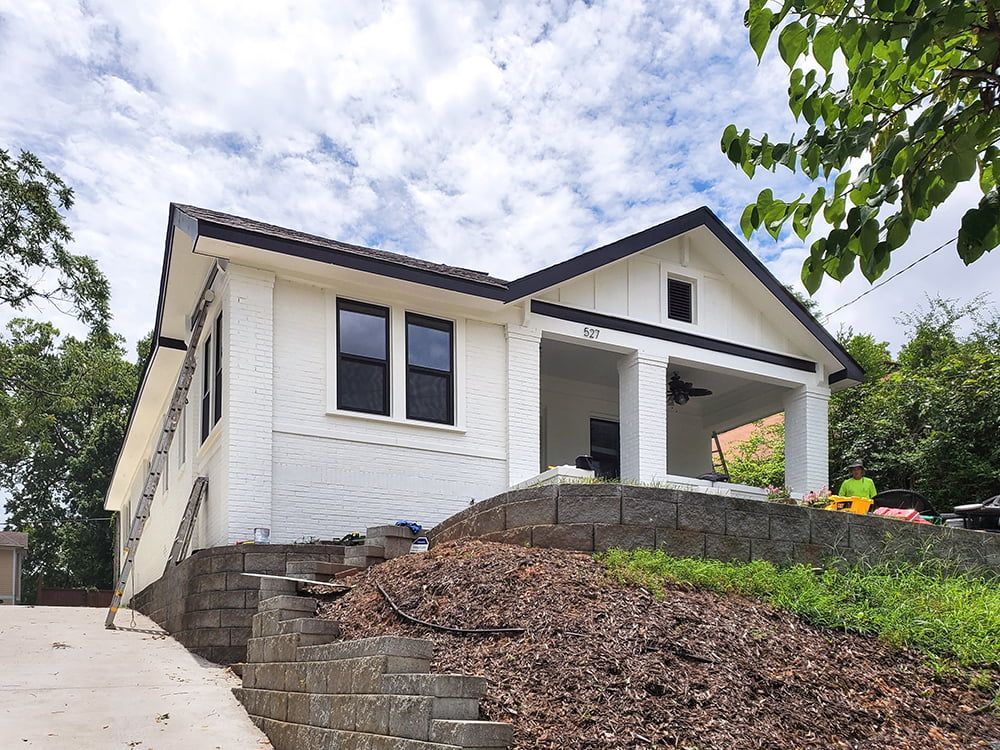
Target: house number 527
[591,333]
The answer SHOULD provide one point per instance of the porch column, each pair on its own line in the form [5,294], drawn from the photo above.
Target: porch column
[523,403]
[642,394]
[807,438]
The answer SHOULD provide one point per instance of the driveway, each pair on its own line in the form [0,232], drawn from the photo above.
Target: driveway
[66,682]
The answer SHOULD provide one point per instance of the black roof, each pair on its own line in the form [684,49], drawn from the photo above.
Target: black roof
[203,222]
[206,217]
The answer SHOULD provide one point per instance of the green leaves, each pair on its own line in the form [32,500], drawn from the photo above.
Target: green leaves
[792,42]
[33,244]
[760,23]
[825,43]
[914,119]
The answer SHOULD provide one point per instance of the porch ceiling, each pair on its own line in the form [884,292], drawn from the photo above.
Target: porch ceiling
[582,363]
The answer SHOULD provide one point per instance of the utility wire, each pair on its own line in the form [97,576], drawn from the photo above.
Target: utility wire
[886,281]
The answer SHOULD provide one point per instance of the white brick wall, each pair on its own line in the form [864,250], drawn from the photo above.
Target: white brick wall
[523,399]
[248,372]
[642,393]
[336,472]
[807,438]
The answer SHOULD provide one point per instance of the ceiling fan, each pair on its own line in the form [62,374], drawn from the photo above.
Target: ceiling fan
[680,391]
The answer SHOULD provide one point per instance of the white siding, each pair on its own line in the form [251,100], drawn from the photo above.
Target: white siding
[636,288]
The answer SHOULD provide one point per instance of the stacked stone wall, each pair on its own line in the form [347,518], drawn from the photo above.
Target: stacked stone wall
[207,603]
[594,517]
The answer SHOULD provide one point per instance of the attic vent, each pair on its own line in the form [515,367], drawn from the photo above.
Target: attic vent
[679,300]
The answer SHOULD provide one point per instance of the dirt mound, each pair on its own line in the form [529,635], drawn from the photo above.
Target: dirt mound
[606,666]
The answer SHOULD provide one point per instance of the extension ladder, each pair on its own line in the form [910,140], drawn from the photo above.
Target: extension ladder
[717,451]
[170,420]
[179,550]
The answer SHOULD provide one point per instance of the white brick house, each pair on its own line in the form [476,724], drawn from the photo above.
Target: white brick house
[340,386]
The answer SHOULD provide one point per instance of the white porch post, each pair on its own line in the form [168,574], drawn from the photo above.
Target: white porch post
[642,394]
[523,403]
[807,438]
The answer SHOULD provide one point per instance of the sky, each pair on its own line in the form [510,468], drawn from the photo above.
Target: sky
[497,136]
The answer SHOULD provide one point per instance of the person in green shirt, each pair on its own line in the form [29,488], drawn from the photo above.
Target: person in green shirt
[858,485]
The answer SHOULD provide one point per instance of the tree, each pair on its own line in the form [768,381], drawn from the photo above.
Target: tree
[928,422]
[64,406]
[760,459]
[34,262]
[918,114]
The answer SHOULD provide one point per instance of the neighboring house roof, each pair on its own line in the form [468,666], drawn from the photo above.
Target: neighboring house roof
[13,539]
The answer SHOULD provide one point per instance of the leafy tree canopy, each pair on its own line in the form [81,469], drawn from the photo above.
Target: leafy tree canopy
[926,422]
[34,262]
[917,114]
[929,423]
[64,405]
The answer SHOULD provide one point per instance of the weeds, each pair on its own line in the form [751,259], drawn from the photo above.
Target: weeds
[952,619]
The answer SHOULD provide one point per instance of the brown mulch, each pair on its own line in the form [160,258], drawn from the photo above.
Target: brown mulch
[608,666]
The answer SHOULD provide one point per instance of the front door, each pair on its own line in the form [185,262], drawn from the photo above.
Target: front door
[604,447]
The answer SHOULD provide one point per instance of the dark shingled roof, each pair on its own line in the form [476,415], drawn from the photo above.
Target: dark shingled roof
[270,230]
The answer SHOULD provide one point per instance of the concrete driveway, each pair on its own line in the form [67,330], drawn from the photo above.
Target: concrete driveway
[66,682]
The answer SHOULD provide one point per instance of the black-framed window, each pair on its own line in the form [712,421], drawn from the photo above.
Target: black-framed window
[217,404]
[206,389]
[605,447]
[362,357]
[680,300]
[430,369]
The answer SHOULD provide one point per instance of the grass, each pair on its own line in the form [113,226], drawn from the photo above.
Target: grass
[951,619]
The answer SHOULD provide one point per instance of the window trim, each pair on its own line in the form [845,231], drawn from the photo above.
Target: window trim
[438,324]
[217,373]
[205,411]
[693,308]
[365,308]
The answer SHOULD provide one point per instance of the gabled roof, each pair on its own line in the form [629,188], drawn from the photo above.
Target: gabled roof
[214,224]
[203,222]
[13,539]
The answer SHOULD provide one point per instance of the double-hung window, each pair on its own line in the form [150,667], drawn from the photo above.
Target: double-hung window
[211,379]
[362,357]
[206,389]
[430,365]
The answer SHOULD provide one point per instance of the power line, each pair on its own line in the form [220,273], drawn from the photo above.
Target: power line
[886,281]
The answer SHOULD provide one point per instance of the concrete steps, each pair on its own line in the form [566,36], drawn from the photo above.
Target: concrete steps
[306,689]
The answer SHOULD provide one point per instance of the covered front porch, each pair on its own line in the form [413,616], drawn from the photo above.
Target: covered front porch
[621,408]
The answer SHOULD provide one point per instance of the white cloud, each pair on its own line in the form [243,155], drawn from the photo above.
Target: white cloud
[497,136]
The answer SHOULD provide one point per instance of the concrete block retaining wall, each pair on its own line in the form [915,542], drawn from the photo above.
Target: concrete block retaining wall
[596,517]
[307,690]
[207,604]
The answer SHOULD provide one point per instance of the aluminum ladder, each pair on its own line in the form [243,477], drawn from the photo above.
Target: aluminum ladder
[170,421]
[198,491]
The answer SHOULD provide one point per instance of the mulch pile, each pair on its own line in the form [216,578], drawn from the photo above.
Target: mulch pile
[608,666]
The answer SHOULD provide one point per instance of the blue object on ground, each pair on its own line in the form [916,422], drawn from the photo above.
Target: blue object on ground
[413,526]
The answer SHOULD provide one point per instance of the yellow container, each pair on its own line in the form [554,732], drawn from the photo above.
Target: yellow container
[859,505]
